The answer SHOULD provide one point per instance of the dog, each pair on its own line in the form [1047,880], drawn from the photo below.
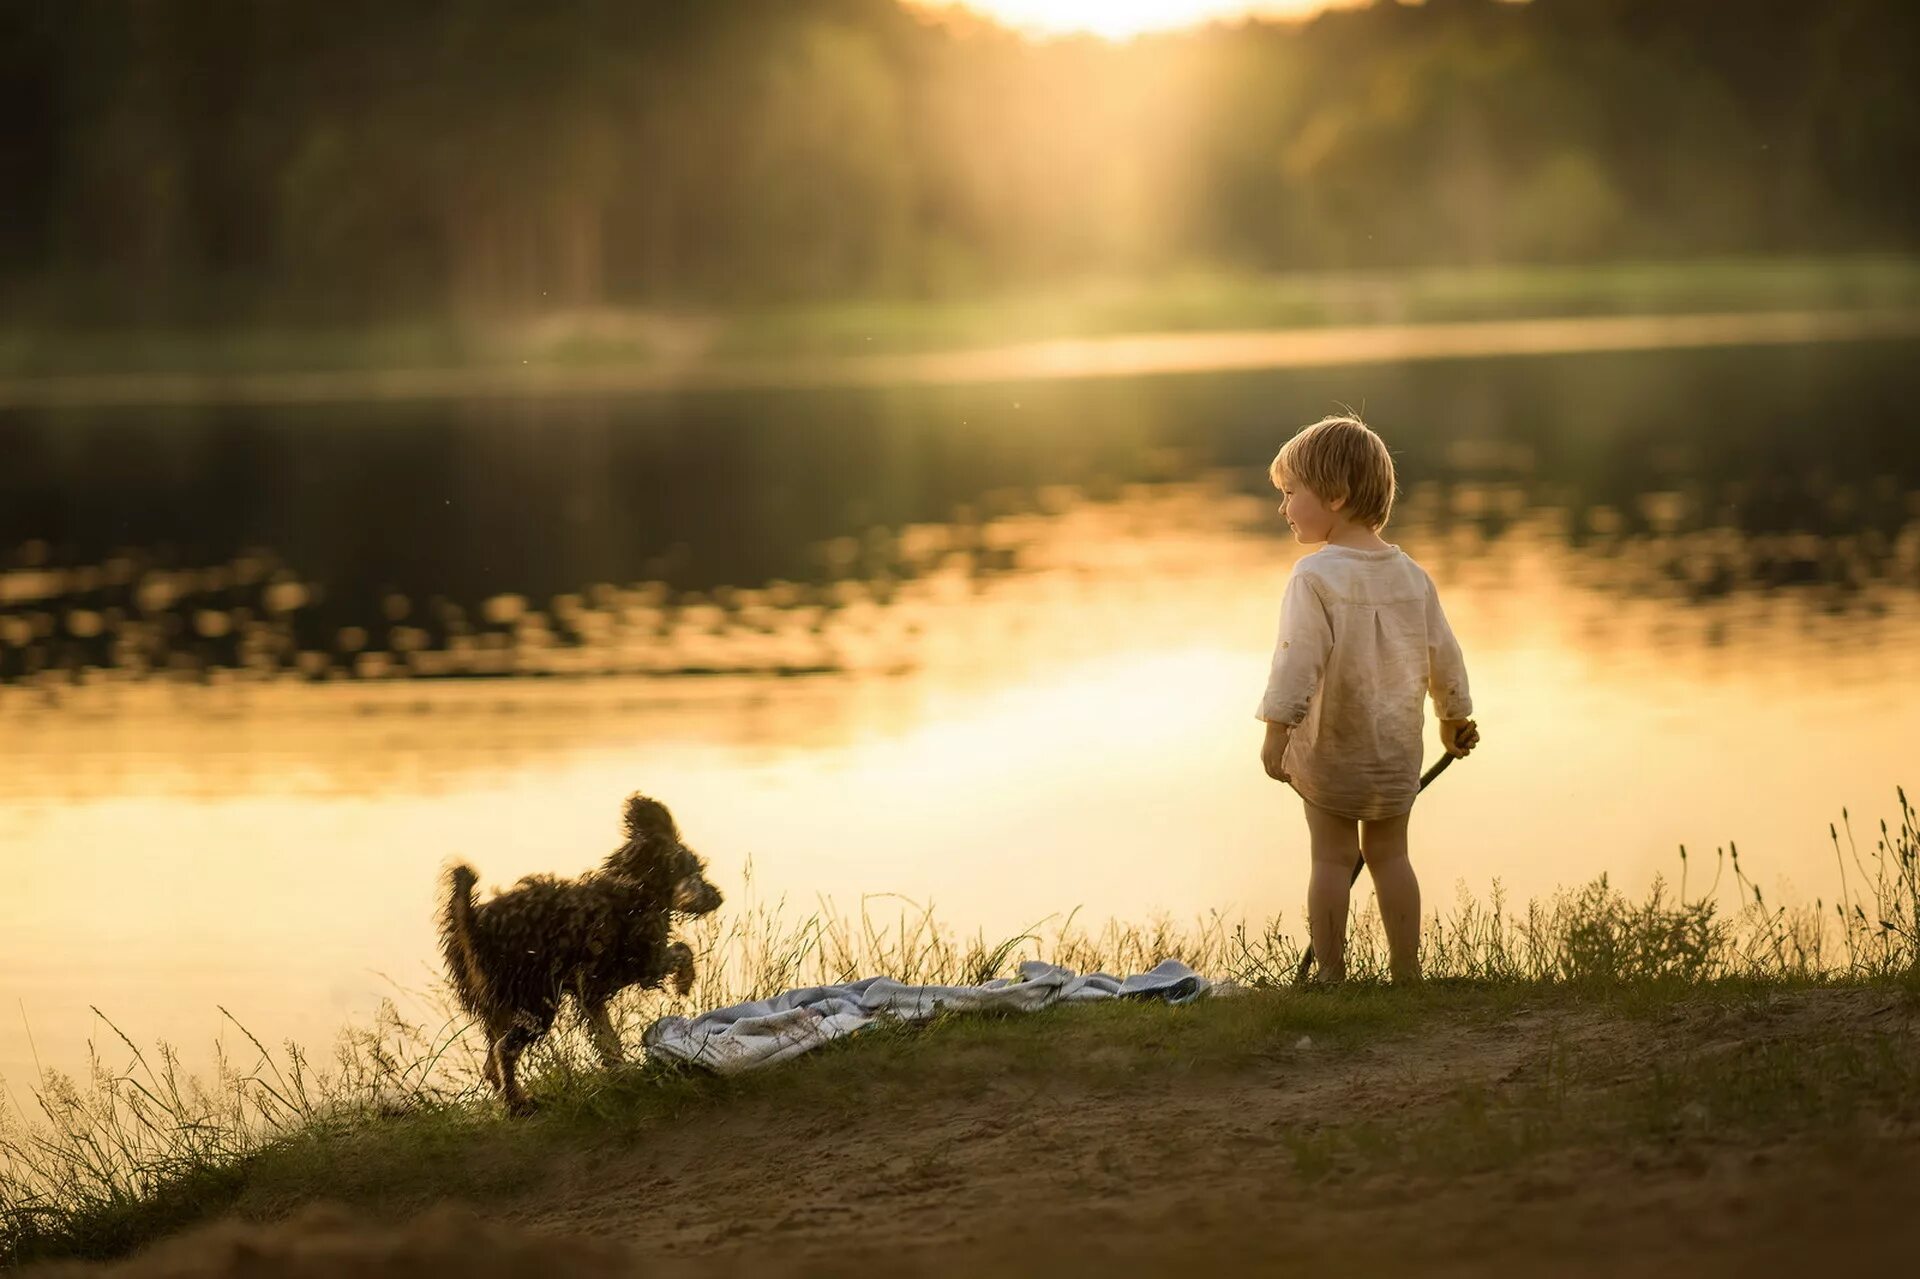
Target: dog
[514,958]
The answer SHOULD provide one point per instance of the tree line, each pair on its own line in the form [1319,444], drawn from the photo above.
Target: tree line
[233,161]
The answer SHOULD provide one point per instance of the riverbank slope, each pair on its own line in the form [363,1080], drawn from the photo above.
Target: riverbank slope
[1451,1129]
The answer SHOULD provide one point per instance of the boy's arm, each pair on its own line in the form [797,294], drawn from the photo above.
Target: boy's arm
[1299,659]
[1447,680]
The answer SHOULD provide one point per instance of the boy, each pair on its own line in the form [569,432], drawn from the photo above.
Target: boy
[1362,641]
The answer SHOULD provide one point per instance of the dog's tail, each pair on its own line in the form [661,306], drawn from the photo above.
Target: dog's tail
[457,941]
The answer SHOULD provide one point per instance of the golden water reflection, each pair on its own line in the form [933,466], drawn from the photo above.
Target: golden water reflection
[1070,729]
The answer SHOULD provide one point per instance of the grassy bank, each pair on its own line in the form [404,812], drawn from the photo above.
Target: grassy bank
[1585,1023]
[1196,301]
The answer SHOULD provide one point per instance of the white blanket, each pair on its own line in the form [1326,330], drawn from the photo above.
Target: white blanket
[764,1031]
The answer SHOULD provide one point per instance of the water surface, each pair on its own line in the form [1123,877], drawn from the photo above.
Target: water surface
[991,646]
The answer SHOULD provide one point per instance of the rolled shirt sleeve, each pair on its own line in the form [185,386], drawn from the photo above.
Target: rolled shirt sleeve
[1299,653]
[1446,668]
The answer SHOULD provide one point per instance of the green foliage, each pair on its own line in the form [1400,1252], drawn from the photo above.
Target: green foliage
[1610,940]
[291,161]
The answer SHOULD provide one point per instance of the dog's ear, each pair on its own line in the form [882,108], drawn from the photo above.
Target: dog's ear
[648,818]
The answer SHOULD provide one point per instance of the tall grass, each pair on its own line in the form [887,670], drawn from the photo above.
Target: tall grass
[138,1132]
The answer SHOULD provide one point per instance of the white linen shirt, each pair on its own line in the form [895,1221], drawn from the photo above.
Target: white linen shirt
[1362,641]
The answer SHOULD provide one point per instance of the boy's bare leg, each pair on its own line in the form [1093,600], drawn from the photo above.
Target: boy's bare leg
[1385,846]
[1336,845]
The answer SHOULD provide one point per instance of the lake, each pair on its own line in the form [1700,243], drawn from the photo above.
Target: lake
[989,645]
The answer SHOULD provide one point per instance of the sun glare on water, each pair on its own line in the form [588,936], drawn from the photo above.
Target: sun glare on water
[1121,19]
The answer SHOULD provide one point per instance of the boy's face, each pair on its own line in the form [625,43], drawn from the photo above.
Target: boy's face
[1310,518]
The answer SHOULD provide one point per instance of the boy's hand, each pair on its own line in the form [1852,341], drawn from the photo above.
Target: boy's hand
[1273,751]
[1459,736]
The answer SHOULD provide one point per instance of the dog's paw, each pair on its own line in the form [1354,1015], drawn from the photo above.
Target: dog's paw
[683,970]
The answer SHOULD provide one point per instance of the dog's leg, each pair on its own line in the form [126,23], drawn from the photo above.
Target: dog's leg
[497,1028]
[605,1037]
[504,1060]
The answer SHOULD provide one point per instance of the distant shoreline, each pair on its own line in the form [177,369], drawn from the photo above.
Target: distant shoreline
[1124,355]
[1098,326]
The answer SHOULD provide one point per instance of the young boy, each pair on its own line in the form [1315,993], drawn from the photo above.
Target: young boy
[1362,642]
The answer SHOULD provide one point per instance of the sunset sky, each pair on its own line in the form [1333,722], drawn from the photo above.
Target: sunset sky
[1118,19]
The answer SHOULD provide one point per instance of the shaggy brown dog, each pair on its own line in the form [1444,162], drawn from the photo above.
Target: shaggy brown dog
[515,957]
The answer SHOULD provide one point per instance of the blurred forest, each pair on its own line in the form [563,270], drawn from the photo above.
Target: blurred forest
[186,162]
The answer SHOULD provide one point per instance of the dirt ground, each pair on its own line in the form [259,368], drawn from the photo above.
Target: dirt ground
[1172,1169]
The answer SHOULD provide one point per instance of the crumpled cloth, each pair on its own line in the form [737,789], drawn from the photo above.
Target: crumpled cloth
[762,1032]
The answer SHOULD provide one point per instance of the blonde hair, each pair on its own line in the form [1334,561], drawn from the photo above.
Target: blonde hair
[1340,457]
